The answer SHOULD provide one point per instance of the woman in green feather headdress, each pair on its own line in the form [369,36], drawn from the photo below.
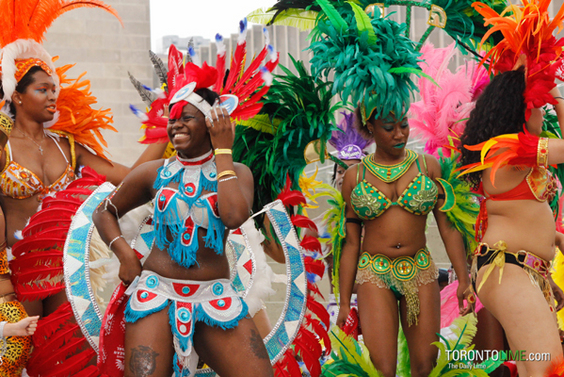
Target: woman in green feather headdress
[389,194]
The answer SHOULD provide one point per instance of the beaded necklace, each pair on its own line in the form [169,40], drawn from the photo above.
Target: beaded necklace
[389,173]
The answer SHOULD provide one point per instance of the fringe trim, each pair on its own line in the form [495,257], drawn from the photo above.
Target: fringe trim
[171,221]
[132,316]
[409,289]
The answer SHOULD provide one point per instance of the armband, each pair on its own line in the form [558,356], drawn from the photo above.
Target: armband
[353,220]
[542,152]
[449,196]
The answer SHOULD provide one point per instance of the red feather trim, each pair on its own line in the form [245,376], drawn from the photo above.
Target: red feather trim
[74,366]
[315,266]
[91,371]
[303,222]
[47,362]
[310,357]
[288,363]
[48,325]
[246,112]
[270,65]
[319,310]
[311,243]
[255,64]
[237,66]
[315,289]
[320,331]
[220,65]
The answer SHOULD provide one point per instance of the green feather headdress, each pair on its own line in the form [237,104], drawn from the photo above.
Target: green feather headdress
[297,110]
[372,60]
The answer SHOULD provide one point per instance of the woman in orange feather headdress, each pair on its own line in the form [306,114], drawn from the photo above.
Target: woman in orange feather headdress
[54,133]
[516,227]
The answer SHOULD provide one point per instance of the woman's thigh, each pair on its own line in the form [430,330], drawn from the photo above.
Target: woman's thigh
[239,351]
[523,312]
[419,337]
[148,346]
[378,314]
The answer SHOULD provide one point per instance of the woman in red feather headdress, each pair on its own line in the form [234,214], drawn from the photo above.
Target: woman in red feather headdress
[516,227]
[54,132]
[182,305]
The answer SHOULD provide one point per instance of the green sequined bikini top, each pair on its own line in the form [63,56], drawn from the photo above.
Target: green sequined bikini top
[419,197]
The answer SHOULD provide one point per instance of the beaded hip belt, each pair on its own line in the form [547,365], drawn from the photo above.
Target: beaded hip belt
[402,268]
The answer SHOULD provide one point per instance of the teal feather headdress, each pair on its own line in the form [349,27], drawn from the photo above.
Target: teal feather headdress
[372,60]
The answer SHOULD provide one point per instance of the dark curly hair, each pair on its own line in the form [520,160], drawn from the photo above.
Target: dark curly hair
[499,110]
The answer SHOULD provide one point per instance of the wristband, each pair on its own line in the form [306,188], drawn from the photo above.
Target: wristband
[114,240]
[223,151]
[226,172]
[228,178]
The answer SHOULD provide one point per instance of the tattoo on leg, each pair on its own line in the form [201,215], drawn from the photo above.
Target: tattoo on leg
[257,345]
[143,361]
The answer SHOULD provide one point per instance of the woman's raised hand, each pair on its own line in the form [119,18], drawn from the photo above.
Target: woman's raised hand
[220,127]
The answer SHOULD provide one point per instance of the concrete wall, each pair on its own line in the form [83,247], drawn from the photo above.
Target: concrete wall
[98,44]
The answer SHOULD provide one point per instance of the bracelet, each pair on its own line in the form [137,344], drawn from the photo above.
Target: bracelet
[562,98]
[226,172]
[228,178]
[114,240]
[2,324]
[223,151]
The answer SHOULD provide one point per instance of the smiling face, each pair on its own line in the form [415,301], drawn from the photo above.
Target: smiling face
[189,134]
[390,135]
[39,100]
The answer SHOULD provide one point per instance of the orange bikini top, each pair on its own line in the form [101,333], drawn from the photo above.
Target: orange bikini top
[538,185]
[20,183]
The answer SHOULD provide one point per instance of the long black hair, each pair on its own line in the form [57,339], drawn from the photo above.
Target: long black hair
[499,110]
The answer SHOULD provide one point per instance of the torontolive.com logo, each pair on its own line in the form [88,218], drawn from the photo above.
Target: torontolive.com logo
[463,359]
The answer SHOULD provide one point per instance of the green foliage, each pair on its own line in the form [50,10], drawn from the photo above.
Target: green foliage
[299,110]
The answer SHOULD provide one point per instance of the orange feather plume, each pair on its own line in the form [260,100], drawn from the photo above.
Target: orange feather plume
[528,31]
[30,19]
[76,115]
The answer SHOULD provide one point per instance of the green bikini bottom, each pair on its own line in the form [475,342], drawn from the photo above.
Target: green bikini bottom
[402,275]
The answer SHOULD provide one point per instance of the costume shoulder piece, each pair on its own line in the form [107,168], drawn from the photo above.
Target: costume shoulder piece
[524,149]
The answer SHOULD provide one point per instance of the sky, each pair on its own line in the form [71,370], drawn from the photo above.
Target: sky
[199,17]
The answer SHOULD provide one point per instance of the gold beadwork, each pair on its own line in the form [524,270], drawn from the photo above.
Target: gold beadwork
[6,124]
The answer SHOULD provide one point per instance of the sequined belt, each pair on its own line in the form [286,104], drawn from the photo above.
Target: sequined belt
[402,268]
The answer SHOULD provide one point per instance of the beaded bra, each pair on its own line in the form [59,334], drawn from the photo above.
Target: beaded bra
[180,212]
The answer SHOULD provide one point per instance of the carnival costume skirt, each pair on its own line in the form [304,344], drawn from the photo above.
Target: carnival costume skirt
[402,275]
[60,348]
[536,268]
[214,302]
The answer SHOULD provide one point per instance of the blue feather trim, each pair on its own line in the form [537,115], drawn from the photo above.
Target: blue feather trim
[132,316]
[170,220]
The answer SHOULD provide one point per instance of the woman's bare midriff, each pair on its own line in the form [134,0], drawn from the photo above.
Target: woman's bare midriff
[395,227]
[523,225]
[17,213]
[209,265]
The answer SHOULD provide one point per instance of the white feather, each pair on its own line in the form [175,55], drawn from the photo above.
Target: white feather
[22,49]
